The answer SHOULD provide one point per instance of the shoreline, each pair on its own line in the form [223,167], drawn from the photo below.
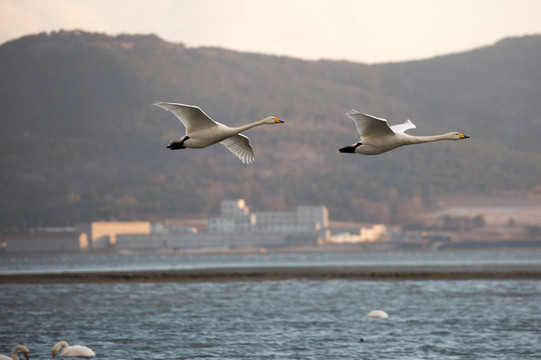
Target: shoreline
[377,273]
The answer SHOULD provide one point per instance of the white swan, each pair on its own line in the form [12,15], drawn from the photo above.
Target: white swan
[14,352]
[202,131]
[75,350]
[377,137]
[377,314]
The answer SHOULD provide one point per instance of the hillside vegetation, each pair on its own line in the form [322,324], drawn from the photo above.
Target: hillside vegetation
[80,140]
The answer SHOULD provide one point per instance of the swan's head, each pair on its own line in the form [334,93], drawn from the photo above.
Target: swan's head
[272,120]
[58,346]
[457,136]
[22,349]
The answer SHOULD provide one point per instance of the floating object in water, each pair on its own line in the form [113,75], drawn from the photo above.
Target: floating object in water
[75,350]
[377,314]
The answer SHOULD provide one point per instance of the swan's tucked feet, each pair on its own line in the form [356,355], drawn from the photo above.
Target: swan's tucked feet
[350,149]
[177,145]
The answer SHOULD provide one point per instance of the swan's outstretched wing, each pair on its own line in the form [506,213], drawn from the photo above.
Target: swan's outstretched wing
[191,116]
[240,146]
[406,125]
[368,125]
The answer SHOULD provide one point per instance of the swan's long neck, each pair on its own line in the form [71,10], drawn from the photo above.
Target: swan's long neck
[16,349]
[425,139]
[60,346]
[249,126]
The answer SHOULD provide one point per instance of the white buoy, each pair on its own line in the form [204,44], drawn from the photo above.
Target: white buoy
[377,314]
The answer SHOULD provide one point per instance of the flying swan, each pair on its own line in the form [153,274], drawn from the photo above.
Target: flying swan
[377,137]
[75,350]
[14,352]
[202,131]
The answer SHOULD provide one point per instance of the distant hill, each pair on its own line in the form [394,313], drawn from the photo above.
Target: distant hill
[81,142]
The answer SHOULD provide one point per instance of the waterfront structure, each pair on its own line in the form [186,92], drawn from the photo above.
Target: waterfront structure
[50,242]
[103,234]
[238,227]
[376,232]
[236,217]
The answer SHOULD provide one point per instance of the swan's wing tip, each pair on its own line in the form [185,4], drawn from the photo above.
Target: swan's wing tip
[172,105]
[352,112]
[247,156]
[248,159]
[169,106]
[240,146]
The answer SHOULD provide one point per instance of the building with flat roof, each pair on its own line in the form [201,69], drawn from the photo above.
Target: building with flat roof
[49,242]
[238,227]
[236,217]
[103,234]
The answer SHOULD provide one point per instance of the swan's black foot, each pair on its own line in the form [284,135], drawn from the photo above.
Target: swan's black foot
[347,149]
[177,145]
[350,149]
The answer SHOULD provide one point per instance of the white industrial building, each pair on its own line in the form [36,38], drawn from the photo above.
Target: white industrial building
[237,227]
[236,217]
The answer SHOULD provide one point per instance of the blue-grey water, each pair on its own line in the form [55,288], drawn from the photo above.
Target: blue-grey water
[293,319]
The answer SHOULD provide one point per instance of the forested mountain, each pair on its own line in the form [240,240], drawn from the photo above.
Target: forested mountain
[80,140]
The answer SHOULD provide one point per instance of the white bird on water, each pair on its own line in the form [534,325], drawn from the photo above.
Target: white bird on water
[378,137]
[14,352]
[75,350]
[202,131]
[377,314]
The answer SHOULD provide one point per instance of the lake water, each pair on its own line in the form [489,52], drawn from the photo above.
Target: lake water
[293,319]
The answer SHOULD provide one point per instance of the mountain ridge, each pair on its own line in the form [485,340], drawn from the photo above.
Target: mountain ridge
[81,140]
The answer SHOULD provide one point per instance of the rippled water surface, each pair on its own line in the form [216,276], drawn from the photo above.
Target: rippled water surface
[291,319]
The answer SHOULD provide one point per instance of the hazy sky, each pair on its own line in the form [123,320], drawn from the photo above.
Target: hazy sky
[356,30]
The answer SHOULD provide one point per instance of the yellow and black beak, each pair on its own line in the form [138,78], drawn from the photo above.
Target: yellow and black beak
[462,136]
[278,121]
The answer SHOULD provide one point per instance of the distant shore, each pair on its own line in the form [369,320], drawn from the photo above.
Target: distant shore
[392,273]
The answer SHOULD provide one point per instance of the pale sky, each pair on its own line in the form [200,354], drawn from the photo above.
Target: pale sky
[366,31]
